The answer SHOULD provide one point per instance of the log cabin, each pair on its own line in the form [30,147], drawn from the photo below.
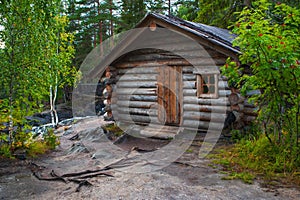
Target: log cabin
[167,72]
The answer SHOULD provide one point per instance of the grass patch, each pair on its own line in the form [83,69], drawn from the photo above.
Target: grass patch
[113,128]
[250,159]
[26,145]
[189,151]
[246,177]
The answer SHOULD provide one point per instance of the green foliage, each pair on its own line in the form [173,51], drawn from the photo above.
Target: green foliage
[187,10]
[269,38]
[246,177]
[218,13]
[271,47]
[5,150]
[223,13]
[91,22]
[258,157]
[113,128]
[36,54]
[36,147]
[51,139]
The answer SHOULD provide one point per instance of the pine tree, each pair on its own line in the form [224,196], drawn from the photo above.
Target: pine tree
[187,10]
[157,6]
[92,21]
[132,11]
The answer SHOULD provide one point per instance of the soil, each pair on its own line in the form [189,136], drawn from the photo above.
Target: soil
[186,178]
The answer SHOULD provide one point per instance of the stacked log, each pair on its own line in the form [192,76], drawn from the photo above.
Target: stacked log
[107,94]
[202,113]
[136,89]
[250,110]
[236,107]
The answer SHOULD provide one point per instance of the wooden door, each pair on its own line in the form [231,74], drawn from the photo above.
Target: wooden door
[169,93]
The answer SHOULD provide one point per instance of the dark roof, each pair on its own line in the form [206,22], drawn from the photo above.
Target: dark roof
[217,35]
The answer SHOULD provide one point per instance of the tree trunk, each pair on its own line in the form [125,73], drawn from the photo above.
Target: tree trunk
[54,101]
[11,122]
[111,20]
[51,105]
[100,25]
[169,7]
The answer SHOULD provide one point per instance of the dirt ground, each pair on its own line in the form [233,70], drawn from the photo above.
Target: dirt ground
[187,178]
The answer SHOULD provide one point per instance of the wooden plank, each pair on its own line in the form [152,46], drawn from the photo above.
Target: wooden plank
[188,69]
[221,101]
[172,62]
[137,111]
[204,116]
[137,118]
[179,52]
[199,54]
[135,104]
[160,94]
[137,98]
[166,85]
[193,92]
[224,93]
[150,57]
[155,131]
[203,125]
[138,70]
[180,94]
[173,92]
[205,108]
[176,96]
[138,91]
[188,84]
[137,77]
[136,84]
[189,77]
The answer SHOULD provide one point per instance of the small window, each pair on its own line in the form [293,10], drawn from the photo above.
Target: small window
[207,85]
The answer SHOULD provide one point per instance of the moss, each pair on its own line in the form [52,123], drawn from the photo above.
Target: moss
[113,128]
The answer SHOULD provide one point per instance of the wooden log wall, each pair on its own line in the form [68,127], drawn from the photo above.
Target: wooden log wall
[203,113]
[250,110]
[135,96]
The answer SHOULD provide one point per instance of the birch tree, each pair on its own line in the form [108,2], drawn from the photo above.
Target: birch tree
[35,57]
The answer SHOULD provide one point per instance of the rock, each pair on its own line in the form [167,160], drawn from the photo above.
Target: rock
[37,121]
[20,154]
[78,148]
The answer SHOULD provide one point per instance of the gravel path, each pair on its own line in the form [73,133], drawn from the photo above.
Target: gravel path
[187,178]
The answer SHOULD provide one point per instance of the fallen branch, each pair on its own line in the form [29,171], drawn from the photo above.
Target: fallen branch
[78,177]
[85,172]
[41,178]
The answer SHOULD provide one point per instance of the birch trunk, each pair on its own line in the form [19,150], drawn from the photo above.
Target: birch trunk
[53,95]
[51,105]
[11,122]
[54,101]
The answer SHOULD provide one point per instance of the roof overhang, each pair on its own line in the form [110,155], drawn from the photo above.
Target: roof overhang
[182,27]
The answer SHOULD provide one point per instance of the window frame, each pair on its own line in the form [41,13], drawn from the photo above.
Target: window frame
[200,84]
